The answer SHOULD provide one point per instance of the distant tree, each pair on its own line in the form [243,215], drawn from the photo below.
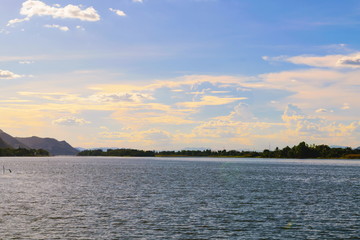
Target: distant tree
[22,152]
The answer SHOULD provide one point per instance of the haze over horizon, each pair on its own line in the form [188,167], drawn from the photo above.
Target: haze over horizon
[173,74]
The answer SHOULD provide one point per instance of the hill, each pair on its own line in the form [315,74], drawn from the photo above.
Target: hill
[3,144]
[11,141]
[53,146]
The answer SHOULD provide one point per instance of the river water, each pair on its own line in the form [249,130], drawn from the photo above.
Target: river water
[179,198]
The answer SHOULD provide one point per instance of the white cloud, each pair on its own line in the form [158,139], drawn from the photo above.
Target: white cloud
[120,97]
[32,8]
[228,129]
[118,12]
[315,61]
[242,112]
[70,121]
[301,125]
[345,106]
[17,20]
[138,1]
[26,62]
[318,88]
[62,28]
[4,74]
[80,28]
[321,110]
[350,61]
[274,59]
[328,61]
[210,101]
[292,112]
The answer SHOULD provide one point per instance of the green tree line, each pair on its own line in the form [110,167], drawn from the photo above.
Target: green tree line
[123,152]
[302,150]
[22,152]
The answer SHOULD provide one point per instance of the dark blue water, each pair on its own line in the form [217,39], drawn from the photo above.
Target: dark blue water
[134,198]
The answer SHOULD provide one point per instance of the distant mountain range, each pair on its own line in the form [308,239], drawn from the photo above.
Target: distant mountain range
[343,147]
[53,146]
[337,146]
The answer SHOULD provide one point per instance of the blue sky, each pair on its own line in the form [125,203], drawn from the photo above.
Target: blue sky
[172,74]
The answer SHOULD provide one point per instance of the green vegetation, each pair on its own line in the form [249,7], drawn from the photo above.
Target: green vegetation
[117,152]
[208,153]
[22,152]
[302,150]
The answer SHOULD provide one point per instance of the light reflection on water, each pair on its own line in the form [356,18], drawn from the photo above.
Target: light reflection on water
[179,198]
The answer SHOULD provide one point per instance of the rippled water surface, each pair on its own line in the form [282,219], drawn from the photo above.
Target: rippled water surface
[150,198]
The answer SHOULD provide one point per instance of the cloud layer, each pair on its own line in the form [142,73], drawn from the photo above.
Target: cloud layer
[204,110]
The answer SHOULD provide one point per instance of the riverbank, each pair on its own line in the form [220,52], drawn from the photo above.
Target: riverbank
[300,151]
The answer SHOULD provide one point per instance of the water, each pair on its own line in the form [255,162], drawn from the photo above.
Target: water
[151,198]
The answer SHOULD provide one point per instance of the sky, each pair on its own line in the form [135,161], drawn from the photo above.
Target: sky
[175,74]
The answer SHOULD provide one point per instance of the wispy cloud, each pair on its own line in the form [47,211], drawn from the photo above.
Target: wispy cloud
[62,28]
[118,12]
[120,97]
[26,62]
[17,20]
[350,61]
[80,28]
[5,74]
[321,110]
[70,121]
[210,101]
[345,106]
[328,61]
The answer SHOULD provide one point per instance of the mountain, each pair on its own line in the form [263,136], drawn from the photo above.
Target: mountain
[337,146]
[53,146]
[3,144]
[11,141]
